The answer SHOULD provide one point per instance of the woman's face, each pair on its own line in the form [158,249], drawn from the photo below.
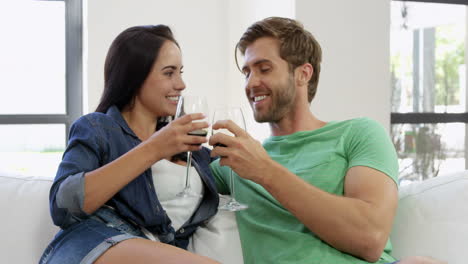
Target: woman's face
[163,86]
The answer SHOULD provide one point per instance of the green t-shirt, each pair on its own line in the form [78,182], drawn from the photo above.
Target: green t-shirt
[271,234]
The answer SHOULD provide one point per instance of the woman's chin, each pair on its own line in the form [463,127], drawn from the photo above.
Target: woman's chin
[169,113]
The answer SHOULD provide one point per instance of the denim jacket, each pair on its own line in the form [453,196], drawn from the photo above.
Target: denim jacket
[97,139]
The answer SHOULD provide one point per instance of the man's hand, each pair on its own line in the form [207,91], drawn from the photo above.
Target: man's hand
[245,155]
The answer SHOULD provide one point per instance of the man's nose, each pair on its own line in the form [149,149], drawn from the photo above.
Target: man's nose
[252,81]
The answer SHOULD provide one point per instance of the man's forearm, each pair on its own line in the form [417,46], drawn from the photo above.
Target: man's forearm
[348,224]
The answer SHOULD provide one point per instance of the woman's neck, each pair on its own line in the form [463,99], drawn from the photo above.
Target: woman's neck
[142,123]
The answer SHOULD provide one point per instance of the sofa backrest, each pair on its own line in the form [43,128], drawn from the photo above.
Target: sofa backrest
[25,226]
[432,219]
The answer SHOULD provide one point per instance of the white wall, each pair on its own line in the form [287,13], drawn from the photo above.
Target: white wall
[207,31]
[199,27]
[355,78]
[354,36]
[243,13]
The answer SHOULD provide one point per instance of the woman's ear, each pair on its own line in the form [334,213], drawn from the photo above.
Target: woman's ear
[303,74]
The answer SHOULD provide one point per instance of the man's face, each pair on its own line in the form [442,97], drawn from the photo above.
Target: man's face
[269,86]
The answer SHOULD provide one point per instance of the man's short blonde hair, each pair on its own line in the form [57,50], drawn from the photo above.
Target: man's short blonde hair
[297,45]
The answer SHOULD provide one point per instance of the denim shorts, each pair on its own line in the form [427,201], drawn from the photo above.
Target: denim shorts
[84,242]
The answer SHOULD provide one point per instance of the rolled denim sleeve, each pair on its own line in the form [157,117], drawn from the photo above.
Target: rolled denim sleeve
[83,154]
[70,194]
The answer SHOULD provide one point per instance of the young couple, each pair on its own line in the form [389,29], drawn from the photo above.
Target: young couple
[319,192]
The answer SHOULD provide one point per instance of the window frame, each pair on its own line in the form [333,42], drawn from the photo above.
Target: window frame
[438,118]
[73,74]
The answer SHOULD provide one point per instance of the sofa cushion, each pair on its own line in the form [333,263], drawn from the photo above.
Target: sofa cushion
[26,227]
[432,219]
[219,237]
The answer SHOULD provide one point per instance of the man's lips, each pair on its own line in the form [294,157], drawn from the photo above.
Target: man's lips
[259,98]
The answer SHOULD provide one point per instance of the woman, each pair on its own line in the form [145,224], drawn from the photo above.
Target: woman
[114,192]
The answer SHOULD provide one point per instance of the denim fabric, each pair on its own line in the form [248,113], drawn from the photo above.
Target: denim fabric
[85,241]
[97,139]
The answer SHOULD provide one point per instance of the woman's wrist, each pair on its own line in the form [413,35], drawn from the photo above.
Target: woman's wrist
[151,151]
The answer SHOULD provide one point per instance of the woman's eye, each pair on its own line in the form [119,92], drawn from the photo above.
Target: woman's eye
[263,70]
[169,73]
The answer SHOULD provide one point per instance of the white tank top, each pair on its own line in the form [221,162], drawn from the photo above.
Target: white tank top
[169,180]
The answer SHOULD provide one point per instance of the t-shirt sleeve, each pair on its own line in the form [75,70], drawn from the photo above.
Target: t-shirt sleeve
[369,145]
[220,175]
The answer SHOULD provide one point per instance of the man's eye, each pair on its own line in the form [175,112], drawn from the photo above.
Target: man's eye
[263,70]
[246,74]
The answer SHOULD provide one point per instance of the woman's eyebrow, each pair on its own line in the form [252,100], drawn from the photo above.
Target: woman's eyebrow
[172,67]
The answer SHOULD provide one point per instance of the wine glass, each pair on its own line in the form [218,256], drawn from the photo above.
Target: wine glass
[191,105]
[234,114]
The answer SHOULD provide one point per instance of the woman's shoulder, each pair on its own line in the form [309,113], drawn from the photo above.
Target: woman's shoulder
[95,119]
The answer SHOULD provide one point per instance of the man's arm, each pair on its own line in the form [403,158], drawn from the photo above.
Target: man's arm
[357,223]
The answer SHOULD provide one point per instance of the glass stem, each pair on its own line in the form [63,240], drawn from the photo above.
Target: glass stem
[189,164]
[231,179]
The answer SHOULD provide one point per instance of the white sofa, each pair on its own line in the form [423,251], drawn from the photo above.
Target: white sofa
[432,219]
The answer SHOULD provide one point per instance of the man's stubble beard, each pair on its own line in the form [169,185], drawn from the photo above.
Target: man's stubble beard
[282,100]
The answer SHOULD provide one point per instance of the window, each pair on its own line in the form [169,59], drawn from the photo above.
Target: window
[41,78]
[428,81]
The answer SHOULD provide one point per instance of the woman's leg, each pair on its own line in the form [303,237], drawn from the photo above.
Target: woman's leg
[145,251]
[420,260]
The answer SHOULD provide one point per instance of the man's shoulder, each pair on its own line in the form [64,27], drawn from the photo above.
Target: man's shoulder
[360,124]
[360,121]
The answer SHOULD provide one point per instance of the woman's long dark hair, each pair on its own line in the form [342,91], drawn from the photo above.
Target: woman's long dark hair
[128,63]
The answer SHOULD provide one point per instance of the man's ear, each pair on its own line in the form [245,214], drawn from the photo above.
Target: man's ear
[304,73]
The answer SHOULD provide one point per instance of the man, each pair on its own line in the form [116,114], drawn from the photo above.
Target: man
[317,192]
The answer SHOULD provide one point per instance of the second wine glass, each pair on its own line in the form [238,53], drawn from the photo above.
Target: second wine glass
[234,114]
[191,105]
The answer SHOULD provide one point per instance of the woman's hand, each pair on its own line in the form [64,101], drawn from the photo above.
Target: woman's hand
[174,138]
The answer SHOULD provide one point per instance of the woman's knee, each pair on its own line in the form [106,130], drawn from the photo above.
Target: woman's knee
[139,250]
[420,260]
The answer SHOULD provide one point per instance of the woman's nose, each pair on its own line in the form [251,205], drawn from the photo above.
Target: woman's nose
[180,84]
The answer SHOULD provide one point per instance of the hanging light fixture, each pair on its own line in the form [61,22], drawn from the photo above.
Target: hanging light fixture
[404,15]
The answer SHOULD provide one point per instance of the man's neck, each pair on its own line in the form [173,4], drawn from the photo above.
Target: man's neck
[295,121]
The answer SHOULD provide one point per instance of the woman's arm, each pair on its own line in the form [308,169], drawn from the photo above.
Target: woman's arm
[103,183]
[82,184]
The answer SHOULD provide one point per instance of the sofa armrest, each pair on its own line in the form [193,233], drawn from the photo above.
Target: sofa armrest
[432,219]
[26,226]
